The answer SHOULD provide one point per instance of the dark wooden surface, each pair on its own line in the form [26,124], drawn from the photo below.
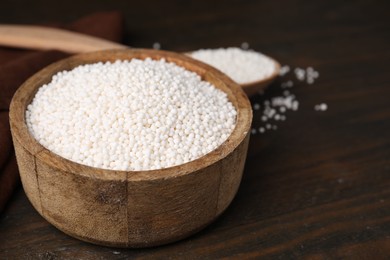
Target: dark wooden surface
[319,186]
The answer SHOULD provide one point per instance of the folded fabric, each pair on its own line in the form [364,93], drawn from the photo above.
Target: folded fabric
[18,65]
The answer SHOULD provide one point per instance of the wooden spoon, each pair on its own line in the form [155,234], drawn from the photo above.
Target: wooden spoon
[45,38]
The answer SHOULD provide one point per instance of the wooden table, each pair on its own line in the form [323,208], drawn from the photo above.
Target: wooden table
[318,187]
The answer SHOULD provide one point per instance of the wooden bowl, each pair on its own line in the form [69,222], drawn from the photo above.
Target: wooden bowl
[130,208]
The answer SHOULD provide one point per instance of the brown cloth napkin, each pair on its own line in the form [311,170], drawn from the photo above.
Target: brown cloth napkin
[17,65]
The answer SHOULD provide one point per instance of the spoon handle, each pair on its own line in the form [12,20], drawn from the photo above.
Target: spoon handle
[44,38]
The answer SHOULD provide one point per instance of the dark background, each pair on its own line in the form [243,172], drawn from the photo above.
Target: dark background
[318,186]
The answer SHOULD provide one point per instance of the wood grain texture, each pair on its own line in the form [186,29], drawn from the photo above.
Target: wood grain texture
[317,187]
[130,209]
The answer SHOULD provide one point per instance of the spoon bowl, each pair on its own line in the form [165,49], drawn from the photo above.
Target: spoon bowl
[257,86]
[253,87]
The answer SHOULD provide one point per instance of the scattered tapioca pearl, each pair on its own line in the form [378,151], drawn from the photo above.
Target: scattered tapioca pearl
[287,84]
[308,74]
[311,75]
[283,101]
[253,131]
[261,129]
[284,70]
[269,112]
[256,106]
[295,105]
[156,46]
[310,71]
[321,107]
[244,45]
[300,73]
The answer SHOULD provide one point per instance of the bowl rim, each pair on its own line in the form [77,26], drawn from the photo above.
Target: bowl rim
[24,95]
